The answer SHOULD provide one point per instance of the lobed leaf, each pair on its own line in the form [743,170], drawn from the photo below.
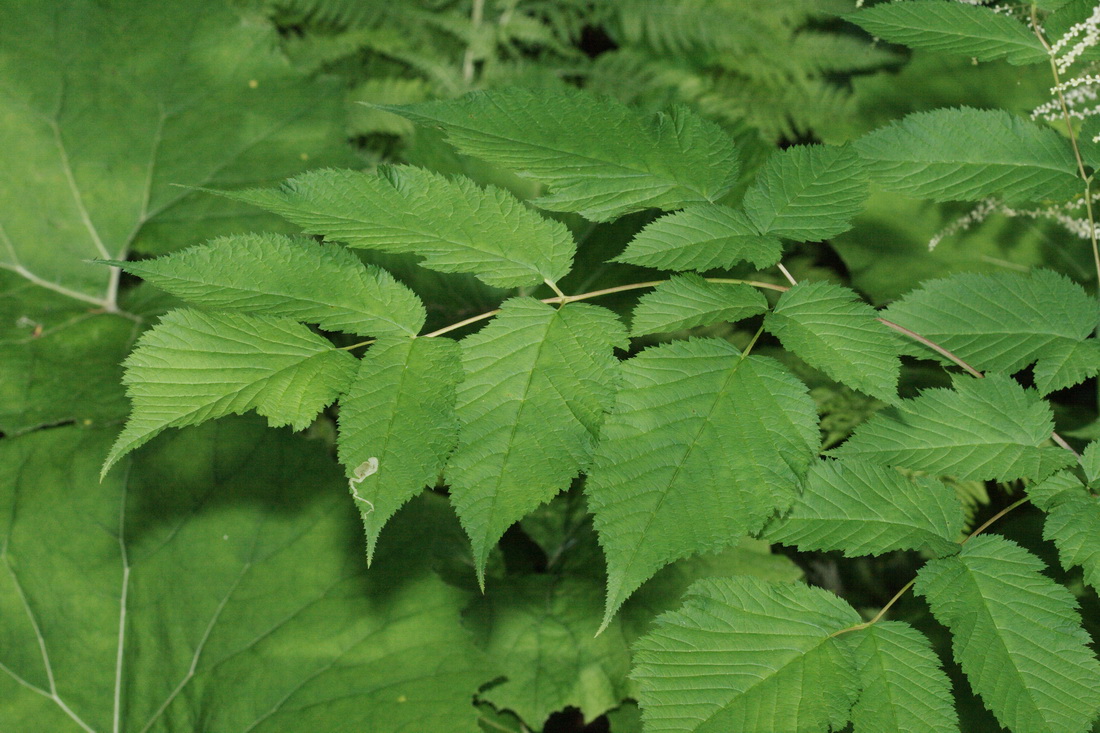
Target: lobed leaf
[955,28]
[538,381]
[703,446]
[1017,636]
[452,223]
[968,155]
[807,192]
[686,301]
[195,366]
[984,429]
[864,509]
[904,687]
[701,238]
[1065,364]
[743,654]
[397,425]
[831,329]
[1072,520]
[600,158]
[287,277]
[1005,321]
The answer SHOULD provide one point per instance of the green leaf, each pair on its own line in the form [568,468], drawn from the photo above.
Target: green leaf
[93,149]
[1017,635]
[688,300]
[984,429]
[217,584]
[701,238]
[58,362]
[538,382]
[455,225]
[539,630]
[288,277]
[831,329]
[953,27]
[904,687]
[397,425]
[1004,321]
[1048,492]
[599,158]
[1073,525]
[743,654]
[808,193]
[196,366]
[1067,363]
[969,154]
[666,484]
[1090,461]
[864,509]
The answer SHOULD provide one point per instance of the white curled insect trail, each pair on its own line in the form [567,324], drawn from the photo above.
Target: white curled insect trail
[364,469]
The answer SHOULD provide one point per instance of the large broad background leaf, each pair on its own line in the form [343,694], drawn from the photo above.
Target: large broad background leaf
[743,654]
[101,117]
[1017,635]
[217,583]
[600,158]
[703,447]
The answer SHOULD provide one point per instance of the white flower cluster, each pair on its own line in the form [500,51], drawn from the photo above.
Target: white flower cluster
[1062,215]
[1078,39]
[1081,93]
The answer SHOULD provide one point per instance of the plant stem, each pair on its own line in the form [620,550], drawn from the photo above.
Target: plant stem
[1072,141]
[932,345]
[477,14]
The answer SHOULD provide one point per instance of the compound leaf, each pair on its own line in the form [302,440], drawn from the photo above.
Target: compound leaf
[397,425]
[666,484]
[686,301]
[539,630]
[290,277]
[1017,636]
[744,654]
[1072,522]
[599,158]
[904,687]
[953,27]
[807,193]
[1002,321]
[195,366]
[1065,364]
[984,429]
[184,584]
[538,381]
[453,224]
[969,154]
[829,327]
[701,238]
[864,509]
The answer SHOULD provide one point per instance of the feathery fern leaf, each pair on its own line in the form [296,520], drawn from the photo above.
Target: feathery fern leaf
[688,300]
[1017,636]
[600,158]
[832,329]
[538,381]
[397,425]
[904,687]
[984,429]
[195,366]
[970,154]
[953,27]
[807,193]
[289,277]
[455,225]
[701,238]
[744,654]
[864,509]
[703,446]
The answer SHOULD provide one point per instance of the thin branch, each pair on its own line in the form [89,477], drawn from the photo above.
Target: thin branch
[932,345]
[786,274]
[989,522]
